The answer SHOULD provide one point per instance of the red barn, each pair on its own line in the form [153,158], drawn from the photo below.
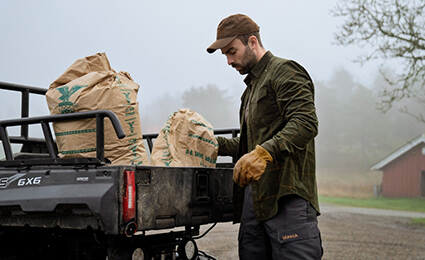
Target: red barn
[404,170]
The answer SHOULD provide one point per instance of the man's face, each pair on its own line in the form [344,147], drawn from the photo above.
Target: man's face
[239,56]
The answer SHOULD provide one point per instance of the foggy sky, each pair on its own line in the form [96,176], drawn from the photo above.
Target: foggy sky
[162,44]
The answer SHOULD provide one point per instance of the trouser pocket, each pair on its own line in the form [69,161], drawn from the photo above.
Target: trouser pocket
[300,241]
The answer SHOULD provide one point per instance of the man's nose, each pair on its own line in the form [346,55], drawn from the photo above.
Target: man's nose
[230,60]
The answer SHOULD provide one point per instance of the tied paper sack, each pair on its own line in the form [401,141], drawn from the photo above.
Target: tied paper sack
[91,84]
[187,139]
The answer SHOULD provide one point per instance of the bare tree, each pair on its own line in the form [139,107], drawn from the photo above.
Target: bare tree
[395,30]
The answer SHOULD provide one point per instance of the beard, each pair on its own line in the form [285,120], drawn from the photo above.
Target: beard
[248,61]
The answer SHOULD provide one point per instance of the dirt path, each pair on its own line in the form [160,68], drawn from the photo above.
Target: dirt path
[347,233]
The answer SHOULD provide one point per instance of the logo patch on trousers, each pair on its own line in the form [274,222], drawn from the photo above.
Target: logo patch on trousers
[286,237]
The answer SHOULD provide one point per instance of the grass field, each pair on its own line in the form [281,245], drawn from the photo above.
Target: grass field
[405,204]
[348,185]
[357,190]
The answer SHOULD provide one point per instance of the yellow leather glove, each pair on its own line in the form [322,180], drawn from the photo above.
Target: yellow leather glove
[251,166]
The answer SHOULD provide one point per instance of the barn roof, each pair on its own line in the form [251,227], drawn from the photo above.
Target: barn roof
[402,150]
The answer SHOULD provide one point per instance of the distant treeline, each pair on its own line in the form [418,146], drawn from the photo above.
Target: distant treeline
[353,133]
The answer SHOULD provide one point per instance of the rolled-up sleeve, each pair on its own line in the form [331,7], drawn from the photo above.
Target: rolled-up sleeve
[228,146]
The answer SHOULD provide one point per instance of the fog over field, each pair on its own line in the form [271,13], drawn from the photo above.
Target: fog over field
[162,44]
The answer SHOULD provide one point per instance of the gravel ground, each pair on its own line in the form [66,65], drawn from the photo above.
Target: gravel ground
[347,233]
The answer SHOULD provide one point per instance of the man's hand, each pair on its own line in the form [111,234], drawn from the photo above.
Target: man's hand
[251,166]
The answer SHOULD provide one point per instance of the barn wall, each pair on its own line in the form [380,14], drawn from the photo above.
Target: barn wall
[402,177]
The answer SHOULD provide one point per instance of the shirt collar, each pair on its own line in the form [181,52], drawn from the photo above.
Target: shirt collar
[259,67]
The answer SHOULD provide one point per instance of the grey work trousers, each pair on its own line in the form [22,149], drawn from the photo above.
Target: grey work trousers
[291,234]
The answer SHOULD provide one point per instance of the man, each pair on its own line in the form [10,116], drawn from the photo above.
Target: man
[276,196]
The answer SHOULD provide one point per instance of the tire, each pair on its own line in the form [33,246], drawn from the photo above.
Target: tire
[188,250]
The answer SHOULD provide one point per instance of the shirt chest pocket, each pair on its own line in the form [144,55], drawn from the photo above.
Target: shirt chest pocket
[263,108]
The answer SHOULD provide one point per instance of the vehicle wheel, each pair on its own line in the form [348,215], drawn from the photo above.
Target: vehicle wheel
[139,254]
[188,250]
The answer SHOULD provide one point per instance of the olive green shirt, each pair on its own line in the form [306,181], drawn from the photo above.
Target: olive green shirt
[278,113]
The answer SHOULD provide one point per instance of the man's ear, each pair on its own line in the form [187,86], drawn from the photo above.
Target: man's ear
[253,42]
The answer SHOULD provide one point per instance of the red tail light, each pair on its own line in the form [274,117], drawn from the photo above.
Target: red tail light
[129,198]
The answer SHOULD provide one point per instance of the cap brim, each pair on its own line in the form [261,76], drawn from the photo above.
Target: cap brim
[220,43]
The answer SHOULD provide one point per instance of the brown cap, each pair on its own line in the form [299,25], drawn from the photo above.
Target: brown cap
[231,27]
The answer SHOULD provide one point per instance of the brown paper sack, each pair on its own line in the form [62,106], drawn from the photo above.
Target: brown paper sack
[187,139]
[91,84]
